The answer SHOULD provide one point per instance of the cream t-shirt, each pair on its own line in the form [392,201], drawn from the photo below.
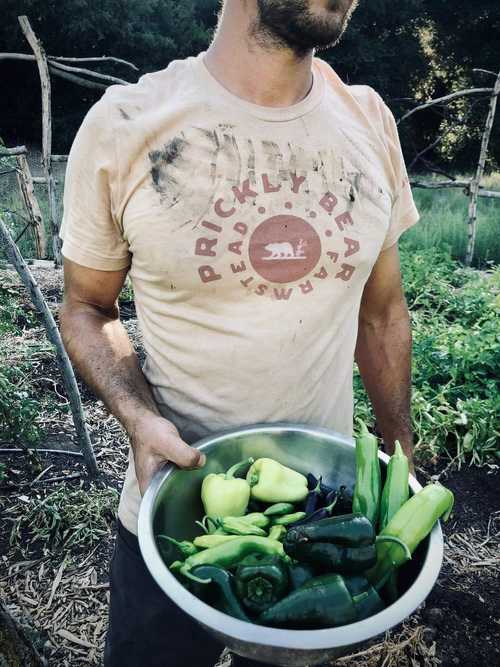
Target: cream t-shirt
[249,231]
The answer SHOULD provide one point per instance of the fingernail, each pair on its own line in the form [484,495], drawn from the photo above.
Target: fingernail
[202,460]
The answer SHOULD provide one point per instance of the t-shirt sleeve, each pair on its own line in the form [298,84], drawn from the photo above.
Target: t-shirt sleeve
[404,213]
[92,236]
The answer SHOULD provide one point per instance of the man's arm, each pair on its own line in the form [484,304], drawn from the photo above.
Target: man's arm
[383,351]
[100,349]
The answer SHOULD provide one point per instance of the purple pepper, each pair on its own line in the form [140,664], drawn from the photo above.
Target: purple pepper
[321,513]
[314,495]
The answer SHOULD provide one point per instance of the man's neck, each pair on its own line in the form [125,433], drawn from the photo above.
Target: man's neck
[251,67]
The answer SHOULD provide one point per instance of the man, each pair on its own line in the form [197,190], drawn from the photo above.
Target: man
[256,202]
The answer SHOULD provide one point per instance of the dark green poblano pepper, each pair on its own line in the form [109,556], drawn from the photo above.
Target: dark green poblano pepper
[344,544]
[322,602]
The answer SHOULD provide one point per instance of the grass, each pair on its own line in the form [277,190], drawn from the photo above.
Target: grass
[443,225]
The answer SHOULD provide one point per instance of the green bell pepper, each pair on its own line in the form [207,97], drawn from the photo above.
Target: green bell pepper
[272,482]
[260,581]
[224,495]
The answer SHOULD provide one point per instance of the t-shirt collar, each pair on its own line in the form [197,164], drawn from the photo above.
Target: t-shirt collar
[307,104]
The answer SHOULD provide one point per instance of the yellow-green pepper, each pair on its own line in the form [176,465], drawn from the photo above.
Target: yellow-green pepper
[224,495]
[272,482]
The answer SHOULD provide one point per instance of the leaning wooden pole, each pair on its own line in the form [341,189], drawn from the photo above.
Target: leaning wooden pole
[474,186]
[43,69]
[25,180]
[54,336]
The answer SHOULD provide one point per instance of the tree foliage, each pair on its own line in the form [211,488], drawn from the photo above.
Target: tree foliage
[409,50]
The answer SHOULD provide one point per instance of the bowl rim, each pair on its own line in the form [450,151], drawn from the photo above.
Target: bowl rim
[242,631]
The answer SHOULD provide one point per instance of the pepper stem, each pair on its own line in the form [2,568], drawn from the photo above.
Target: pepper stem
[176,565]
[382,582]
[186,572]
[202,524]
[329,507]
[237,466]
[171,539]
[254,479]
[396,540]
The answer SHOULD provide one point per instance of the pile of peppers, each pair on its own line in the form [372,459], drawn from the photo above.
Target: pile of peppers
[282,549]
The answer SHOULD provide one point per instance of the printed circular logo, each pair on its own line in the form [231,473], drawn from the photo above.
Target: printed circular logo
[284,248]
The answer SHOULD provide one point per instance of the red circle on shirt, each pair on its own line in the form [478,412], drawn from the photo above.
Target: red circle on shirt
[284,248]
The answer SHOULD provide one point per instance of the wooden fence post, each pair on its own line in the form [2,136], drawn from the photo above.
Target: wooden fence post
[474,186]
[43,69]
[54,336]
[25,181]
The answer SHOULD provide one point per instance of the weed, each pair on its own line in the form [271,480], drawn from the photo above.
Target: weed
[66,517]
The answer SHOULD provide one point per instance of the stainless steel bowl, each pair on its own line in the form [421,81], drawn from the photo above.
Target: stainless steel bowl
[172,503]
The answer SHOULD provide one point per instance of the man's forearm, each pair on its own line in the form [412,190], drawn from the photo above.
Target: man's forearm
[102,352]
[383,354]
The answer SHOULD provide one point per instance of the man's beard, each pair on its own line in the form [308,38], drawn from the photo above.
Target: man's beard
[291,24]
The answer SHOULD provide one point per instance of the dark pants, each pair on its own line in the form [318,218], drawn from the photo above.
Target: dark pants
[146,629]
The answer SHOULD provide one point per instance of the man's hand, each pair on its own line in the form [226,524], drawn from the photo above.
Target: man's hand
[155,441]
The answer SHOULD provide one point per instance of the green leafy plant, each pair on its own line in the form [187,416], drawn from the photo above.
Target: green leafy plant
[456,356]
[18,409]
